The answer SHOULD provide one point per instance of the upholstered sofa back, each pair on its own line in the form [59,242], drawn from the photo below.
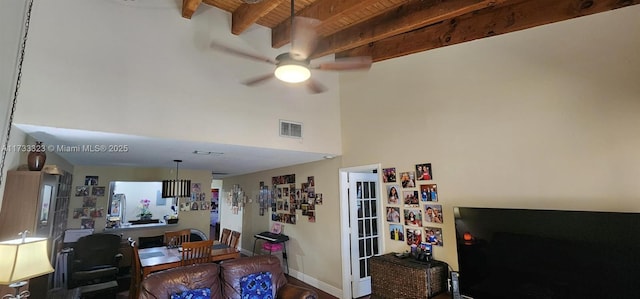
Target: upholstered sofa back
[222,279]
[177,280]
[234,270]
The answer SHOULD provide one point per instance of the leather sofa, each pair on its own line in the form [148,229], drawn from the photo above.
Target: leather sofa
[222,279]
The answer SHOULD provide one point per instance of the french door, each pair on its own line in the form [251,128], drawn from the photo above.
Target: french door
[364,224]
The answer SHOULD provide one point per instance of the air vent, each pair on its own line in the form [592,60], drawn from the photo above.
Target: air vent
[290,129]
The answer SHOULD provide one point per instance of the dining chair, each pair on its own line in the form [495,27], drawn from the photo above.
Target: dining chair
[136,272]
[224,237]
[177,237]
[196,252]
[234,239]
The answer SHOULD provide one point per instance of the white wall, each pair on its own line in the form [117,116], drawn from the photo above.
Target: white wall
[543,118]
[229,219]
[138,67]
[11,31]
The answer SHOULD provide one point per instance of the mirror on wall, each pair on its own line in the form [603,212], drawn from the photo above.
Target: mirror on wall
[137,203]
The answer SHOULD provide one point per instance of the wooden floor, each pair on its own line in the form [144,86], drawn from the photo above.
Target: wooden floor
[321,294]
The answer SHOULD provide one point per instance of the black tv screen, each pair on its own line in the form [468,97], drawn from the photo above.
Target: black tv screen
[522,253]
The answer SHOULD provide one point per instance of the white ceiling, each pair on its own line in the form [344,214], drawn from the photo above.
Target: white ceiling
[226,160]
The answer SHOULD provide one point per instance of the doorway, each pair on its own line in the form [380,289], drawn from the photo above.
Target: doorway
[361,226]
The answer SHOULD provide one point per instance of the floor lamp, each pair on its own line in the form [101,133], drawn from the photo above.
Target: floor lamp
[23,259]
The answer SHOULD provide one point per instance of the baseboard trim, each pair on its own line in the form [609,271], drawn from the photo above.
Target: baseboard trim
[312,281]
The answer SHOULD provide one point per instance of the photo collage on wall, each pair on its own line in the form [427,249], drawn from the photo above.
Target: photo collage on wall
[89,192]
[197,201]
[286,199]
[412,205]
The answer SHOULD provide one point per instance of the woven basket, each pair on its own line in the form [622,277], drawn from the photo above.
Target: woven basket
[392,277]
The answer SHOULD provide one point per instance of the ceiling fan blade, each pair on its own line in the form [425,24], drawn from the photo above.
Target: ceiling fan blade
[315,86]
[236,52]
[345,64]
[304,37]
[258,80]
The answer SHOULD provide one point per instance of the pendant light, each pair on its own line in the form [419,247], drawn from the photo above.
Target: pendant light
[176,188]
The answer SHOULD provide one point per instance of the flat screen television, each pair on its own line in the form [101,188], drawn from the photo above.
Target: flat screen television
[522,253]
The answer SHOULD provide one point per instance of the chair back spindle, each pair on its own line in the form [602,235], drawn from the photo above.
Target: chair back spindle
[176,238]
[224,237]
[196,252]
[136,272]
[234,239]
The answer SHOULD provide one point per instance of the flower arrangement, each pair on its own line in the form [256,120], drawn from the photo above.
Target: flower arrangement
[145,212]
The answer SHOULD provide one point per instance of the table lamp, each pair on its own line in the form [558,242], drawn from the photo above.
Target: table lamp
[23,259]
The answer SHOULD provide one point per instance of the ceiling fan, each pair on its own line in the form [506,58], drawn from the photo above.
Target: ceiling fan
[295,66]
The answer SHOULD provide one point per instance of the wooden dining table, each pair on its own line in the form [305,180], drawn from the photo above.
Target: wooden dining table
[162,258]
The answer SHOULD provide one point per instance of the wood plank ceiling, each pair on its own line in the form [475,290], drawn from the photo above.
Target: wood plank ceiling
[384,29]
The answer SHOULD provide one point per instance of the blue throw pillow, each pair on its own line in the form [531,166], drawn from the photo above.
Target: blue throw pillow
[256,286]
[204,293]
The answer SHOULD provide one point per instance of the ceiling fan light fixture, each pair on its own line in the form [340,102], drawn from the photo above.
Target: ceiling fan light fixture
[292,72]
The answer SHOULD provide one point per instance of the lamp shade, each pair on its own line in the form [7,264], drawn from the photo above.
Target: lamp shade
[176,188]
[292,72]
[23,260]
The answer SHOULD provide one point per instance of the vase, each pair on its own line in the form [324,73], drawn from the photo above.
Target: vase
[36,157]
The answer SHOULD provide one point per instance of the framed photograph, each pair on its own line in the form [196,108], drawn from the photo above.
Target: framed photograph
[311,181]
[410,198]
[97,191]
[276,228]
[87,223]
[312,216]
[91,180]
[423,172]
[96,213]
[433,213]
[82,190]
[196,188]
[393,194]
[80,213]
[194,206]
[414,236]
[413,217]
[396,232]
[429,192]
[408,179]
[318,200]
[393,214]
[89,202]
[433,236]
[185,206]
[389,175]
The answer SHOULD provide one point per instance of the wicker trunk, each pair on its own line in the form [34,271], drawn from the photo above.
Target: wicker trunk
[392,277]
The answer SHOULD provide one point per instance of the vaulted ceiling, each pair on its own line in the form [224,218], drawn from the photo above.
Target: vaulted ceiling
[384,29]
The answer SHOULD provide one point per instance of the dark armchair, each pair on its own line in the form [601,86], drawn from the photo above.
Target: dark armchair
[95,259]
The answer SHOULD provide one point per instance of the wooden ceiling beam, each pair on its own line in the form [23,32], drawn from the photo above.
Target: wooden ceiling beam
[189,7]
[247,14]
[486,23]
[411,16]
[327,11]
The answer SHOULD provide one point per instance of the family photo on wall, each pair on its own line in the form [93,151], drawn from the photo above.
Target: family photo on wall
[411,205]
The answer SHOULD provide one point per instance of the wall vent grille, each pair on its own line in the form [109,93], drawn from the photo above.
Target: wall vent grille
[290,129]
